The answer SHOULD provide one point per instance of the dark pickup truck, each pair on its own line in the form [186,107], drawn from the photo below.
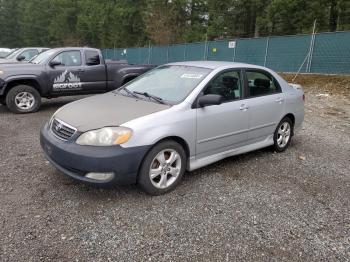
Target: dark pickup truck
[62,72]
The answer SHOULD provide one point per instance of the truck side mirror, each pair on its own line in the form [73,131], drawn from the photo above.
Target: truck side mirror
[54,63]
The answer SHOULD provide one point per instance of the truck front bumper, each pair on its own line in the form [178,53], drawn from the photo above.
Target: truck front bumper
[2,86]
[79,162]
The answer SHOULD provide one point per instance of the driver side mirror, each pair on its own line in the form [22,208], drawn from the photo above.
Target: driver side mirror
[21,58]
[209,100]
[54,63]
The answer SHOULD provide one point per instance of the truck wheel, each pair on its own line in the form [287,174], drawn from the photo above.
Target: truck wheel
[23,99]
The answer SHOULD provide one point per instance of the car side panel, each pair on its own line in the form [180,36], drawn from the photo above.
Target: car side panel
[295,104]
[177,121]
[265,112]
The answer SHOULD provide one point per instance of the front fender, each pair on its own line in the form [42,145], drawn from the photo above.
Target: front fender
[11,79]
[150,129]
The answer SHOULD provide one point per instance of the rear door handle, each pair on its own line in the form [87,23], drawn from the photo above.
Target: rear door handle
[81,70]
[243,107]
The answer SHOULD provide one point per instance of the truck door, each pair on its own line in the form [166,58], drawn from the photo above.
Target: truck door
[65,73]
[95,75]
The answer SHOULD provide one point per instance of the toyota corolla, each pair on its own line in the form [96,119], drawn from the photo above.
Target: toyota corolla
[177,117]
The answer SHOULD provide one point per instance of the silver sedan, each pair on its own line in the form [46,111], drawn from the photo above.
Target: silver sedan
[177,117]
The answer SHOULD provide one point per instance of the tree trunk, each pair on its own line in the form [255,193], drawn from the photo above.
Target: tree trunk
[333,16]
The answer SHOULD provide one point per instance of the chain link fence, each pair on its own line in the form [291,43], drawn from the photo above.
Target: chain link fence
[327,53]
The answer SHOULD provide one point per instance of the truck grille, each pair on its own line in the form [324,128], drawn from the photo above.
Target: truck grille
[62,130]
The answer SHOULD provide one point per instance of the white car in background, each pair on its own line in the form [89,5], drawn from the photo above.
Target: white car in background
[22,55]
[4,52]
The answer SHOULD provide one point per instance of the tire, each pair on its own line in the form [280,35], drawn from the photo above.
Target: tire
[3,101]
[283,135]
[168,176]
[30,97]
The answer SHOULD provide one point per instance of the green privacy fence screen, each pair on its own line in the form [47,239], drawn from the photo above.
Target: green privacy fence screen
[320,53]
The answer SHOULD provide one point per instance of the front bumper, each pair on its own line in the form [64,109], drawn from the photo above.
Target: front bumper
[76,160]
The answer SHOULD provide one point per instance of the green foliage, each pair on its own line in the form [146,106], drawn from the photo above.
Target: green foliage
[121,23]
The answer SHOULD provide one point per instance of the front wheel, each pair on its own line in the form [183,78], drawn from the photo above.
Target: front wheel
[162,168]
[283,134]
[23,99]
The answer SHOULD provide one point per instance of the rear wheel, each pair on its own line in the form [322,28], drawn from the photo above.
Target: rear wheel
[283,134]
[23,99]
[162,168]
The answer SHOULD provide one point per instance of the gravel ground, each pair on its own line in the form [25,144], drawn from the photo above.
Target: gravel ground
[260,206]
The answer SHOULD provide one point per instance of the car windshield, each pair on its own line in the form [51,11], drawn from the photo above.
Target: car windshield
[14,54]
[172,83]
[42,57]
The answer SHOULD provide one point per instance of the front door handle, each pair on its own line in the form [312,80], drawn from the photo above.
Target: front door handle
[243,107]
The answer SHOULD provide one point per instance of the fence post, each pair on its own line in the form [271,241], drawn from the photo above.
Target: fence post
[205,47]
[185,52]
[266,49]
[311,52]
[234,50]
[311,48]
[167,54]
[149,52]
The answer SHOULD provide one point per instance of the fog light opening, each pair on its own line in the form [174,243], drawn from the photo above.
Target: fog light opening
[100,176]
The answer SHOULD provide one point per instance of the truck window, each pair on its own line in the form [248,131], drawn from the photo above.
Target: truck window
[69,58]
[92,58]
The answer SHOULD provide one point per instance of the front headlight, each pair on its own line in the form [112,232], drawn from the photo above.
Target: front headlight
[1,72]
[107,136]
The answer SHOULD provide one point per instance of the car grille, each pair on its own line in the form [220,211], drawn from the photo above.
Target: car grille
[62,130]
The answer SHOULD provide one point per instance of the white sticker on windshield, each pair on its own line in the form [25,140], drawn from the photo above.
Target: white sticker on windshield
[192,76]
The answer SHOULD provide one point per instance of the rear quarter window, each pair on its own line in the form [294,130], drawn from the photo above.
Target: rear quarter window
[92,58]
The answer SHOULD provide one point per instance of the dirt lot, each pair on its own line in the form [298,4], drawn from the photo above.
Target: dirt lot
[260,206]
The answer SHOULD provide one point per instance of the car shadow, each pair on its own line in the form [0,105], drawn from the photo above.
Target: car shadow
[48,105]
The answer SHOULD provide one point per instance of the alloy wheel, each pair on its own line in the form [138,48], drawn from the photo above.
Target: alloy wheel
[165,168]
[283,134]
[24,100]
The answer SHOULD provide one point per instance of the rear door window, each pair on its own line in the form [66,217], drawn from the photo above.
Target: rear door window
[261,83]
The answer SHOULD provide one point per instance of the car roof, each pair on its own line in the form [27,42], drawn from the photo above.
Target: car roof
[74,48]
[32,48]
[215,64]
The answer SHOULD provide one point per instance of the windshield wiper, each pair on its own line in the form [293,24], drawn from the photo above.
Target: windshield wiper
[129,92]
[156,98]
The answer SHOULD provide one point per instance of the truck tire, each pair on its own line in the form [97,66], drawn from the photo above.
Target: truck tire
[23,99]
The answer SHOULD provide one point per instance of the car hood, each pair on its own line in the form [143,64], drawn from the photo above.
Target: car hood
[9,61]
[110,109]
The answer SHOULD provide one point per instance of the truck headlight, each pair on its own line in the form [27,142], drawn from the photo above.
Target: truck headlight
[107,136]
